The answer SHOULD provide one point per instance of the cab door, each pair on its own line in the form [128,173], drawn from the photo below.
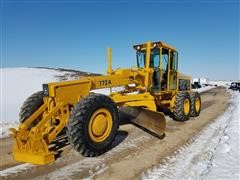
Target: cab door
[155,65]
[164,59]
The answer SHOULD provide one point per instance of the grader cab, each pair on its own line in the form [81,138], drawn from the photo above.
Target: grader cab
[92,119]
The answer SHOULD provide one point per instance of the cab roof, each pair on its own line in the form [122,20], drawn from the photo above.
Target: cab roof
[155,44]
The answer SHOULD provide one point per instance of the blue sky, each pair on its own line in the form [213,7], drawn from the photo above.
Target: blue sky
[75,34]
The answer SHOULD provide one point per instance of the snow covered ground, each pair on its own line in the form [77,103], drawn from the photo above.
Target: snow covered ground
[220,83]
[213,154]
[213,84]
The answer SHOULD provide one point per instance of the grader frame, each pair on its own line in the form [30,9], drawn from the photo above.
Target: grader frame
[31,142]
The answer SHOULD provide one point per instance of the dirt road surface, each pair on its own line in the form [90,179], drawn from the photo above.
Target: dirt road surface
[133,152]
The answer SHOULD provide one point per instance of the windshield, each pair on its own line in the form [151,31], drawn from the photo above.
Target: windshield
[141,59]
[155,58]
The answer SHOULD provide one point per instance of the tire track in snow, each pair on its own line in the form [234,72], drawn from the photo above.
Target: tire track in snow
[95,165]
[16,169]
[87,167]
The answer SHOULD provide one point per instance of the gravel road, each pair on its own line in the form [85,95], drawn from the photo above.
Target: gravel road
[133,152]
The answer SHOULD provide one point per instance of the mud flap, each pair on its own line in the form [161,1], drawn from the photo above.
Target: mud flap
[151,121]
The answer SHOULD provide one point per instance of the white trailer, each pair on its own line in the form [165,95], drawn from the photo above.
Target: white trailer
[201,81]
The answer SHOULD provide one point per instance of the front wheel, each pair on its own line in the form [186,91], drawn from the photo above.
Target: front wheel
[30,105]
[93,125]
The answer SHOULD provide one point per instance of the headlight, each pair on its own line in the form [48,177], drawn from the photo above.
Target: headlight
[45,90]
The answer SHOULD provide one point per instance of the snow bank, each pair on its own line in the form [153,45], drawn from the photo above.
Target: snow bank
[17,85]
[220,83]
[213,154]
[212,85]
[226,159]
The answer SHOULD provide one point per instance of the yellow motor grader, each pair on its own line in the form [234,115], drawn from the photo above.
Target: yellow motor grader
[92,119]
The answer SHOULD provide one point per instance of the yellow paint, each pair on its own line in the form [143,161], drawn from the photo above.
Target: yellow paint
[100,125]
[109,58]
[186,106]
[147,69]
[197,104]
[119,98]
[33,158]
[149,104]
[168,71]
[172,102]
[31,144]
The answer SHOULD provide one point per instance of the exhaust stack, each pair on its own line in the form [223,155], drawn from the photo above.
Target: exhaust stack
[109,59]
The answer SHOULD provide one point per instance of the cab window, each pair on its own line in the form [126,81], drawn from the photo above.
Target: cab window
[155,58]
[164,59]
[173,60]
[141,59]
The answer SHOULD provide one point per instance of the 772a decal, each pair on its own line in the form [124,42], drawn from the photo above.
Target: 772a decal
[105,82]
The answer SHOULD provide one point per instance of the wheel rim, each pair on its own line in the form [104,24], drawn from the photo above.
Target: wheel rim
[100,125]
[186,107]
[197,104]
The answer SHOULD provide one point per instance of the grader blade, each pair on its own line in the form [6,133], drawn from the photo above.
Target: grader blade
[151,121]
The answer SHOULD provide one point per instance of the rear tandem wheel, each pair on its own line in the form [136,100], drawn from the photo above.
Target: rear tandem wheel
[195,104]
[182,106]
